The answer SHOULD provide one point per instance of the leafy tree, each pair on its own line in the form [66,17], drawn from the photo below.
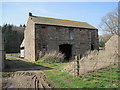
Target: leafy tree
[20,25]
[24,25]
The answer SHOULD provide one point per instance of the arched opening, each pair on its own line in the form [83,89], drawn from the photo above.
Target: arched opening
[66,49]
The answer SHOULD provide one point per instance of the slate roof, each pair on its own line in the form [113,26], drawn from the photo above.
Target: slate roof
[60,22]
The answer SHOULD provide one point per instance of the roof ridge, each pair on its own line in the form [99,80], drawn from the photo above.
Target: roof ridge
[58,19]
[61,22]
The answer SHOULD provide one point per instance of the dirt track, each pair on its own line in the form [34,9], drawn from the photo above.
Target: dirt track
[25,79]
[22,74]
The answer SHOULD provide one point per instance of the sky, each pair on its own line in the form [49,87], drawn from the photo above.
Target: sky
[16,13]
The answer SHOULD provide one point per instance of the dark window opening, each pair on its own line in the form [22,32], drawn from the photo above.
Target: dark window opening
[71,34]
[43,27]
[21,47]
[66,49]
[92,47]
[44,47]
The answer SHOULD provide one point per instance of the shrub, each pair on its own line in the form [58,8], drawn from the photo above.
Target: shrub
[52,57]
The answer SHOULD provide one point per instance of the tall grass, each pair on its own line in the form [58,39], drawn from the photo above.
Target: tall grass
[95,60]
[52,57]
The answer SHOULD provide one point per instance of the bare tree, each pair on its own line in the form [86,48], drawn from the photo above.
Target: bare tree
[109,23]
[103,39]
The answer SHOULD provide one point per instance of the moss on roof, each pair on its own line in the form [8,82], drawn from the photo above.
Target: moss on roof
[60,22]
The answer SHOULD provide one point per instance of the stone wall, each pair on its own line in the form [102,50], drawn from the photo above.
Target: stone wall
[29,36]
[113,44]
[53,36]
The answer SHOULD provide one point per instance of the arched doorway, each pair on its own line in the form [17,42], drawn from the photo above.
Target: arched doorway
[66,49]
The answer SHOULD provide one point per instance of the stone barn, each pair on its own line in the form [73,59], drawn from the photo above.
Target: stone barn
[43,35]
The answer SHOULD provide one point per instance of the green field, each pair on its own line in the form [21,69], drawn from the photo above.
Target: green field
[107,78]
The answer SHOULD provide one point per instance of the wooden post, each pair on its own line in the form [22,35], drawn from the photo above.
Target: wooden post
[80,56]
[77,59]
[74,66]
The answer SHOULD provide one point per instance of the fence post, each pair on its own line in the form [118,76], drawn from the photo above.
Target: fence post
[77,59]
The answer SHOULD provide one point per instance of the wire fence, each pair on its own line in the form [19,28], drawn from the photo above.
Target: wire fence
[99,70]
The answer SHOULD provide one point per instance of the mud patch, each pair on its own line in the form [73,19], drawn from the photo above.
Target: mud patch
[25,79]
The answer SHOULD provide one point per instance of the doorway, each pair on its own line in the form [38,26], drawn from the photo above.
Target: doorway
[66,49]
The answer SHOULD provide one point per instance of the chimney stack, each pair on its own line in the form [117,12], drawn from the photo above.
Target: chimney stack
[30,14]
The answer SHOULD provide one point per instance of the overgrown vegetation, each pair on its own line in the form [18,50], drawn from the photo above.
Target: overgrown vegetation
[52,57]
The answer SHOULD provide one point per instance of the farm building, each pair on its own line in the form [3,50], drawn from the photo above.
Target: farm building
[43,35]
[22,49]
[2,52]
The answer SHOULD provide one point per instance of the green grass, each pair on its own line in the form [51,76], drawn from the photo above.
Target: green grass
[57,66]
[13,54]
[59,79]
[64,80]
[107,74]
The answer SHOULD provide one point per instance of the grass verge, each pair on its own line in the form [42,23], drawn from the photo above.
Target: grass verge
[58,79]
